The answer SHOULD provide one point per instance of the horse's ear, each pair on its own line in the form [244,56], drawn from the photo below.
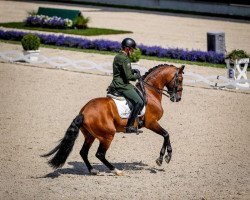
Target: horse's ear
[181,70]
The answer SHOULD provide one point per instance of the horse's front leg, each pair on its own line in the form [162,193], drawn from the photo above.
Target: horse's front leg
[166,143]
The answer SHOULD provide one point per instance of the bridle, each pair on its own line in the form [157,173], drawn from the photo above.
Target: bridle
[169,93]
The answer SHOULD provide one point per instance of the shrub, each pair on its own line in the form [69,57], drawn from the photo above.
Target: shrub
[31,13]
[30,42]
[237,54]
[136,55]
[81,22]
[49,22]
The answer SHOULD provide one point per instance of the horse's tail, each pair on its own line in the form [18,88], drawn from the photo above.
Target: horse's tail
[63,149]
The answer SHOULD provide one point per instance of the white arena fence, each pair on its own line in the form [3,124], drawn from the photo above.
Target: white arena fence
[218,82]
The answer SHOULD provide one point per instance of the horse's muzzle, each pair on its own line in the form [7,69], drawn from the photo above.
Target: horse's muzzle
[175,98]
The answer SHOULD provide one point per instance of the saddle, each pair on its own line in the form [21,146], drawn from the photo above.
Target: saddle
[123,105]
[114,94]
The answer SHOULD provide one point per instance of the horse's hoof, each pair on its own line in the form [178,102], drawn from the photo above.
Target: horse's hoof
[118,172]
[168,158]
[159,161]
[94,172]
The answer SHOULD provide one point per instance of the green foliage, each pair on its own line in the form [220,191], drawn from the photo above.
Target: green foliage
[31,13]
[136,55]
[237,54]
[30,42]
[82,22]
[85,32]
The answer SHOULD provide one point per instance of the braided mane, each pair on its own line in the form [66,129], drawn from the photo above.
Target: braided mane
[154,68]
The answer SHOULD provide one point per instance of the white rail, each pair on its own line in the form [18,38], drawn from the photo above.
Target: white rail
[85,65]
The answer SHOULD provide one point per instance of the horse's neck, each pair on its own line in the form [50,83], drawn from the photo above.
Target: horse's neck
[156,80]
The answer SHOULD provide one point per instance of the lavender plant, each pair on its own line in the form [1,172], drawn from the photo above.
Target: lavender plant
[107,45]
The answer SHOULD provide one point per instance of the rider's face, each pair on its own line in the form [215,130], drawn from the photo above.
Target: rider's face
[130,51]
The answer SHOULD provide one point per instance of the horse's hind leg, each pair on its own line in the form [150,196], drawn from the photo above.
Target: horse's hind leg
[89,139]
[101,153]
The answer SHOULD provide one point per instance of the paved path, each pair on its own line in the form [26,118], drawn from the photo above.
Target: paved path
[149,28]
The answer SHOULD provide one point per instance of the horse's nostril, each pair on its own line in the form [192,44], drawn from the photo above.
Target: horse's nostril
[178,99]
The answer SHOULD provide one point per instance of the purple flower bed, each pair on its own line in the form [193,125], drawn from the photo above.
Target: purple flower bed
[50,22]
[107,45]
[181,54]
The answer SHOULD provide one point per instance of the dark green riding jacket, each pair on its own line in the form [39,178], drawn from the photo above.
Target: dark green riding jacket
[122,72]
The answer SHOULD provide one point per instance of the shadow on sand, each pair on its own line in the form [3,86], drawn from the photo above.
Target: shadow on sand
[79,168]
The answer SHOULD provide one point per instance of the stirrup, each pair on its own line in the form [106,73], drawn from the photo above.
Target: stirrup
[140,123]
[131,129]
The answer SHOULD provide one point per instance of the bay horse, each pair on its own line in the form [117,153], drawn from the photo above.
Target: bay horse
[99,119]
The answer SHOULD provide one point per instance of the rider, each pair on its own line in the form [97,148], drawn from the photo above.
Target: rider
[122,74]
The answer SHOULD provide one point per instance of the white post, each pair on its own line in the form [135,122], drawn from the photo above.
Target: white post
[242,71]
[237,72]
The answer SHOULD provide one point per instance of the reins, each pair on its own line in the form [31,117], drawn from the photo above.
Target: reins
[172,94]
[160,91]
[165,92]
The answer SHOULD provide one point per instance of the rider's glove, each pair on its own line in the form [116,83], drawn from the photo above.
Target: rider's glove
[136,71]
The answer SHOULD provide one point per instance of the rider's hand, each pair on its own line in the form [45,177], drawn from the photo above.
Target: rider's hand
[136,71]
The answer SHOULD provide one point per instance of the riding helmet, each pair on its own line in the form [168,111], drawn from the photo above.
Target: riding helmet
[128,42]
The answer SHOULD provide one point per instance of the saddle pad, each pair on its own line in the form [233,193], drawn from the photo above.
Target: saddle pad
[124,110]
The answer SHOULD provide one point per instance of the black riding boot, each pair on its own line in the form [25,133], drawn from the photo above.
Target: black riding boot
[131,120]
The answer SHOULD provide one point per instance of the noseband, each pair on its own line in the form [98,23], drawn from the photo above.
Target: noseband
[169,93]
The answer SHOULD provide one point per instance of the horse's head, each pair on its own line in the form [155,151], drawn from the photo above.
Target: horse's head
[165,76]
[174,83]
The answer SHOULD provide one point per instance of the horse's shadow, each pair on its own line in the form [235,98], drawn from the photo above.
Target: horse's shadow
[79,168]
